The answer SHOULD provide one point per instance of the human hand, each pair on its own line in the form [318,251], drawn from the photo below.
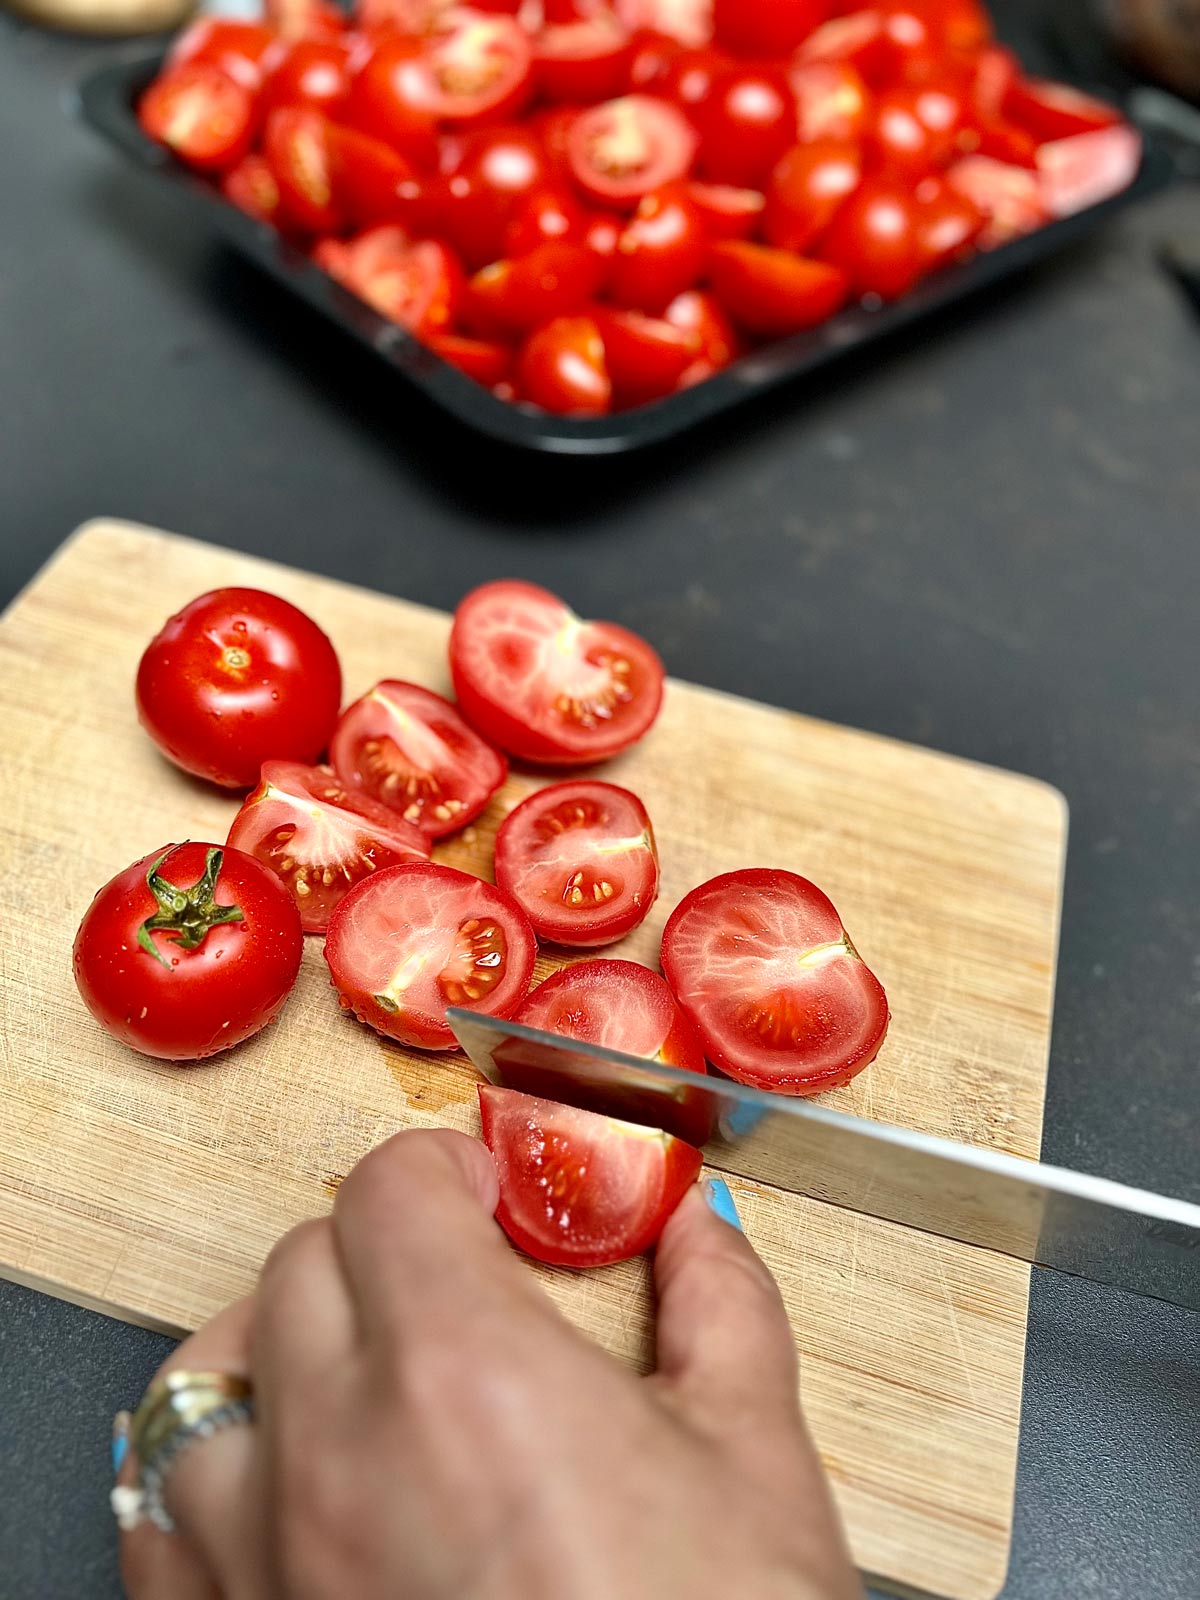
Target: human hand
[428,1426]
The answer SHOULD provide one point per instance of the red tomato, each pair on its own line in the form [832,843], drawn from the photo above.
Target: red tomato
[251,186]
[410,749]
[1010,197]
[421,285]
[1003,141]
[760,28]
[911,50]
[307,72]
[1082,170]
[857,38]
[188,951]
[875,240]
[497,170]
[299,149]
[553,127]
[379,105]
[582,62]
[603,233]
[545,685]
[304,19]
[760,962]
[420,16]
[1052,111]
[511,298]
[661,252]
[580,858]
[318,837]
[371,183]
[646,356]
[915,128]
[806,189]
[544,217]
[622,149]
[948,223]
[410,941]
[236,47]
[726,211]
[561,368]
[652,56]
[699,313]
[832,101]
[962,24]
[618,1005]
[690,78]
[578,1189]
[487,363]
[234,679]
[745,125]
[477,68]
[199,113]
[992,74]
[688,21]
[773,293]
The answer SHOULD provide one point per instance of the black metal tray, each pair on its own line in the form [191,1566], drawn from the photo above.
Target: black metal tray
[107,100]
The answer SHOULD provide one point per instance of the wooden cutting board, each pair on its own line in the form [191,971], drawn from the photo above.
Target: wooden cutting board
[153,1193]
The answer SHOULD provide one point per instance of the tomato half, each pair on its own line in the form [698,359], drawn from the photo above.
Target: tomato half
[252,188]
[580,858]
[371,183]
[760,962]
[237,48]
[306,72]
[545,685]
[617,1004]
[298,146]
[915,129]
[832,101]
[808,185]
[421,285]
[1010,197]
[948,223]
[660,253]
[745,125]
[1054,111]
[875,239]
[410,941]
[578,1189]
[857,38]
[379,104]
[700,313]
[583,61]
[510,298]
[561,367]
[761,28]
[476,68]
[773,293]
[548,215]
[622,149]
[646,356]
[497,169]
[199,113]
[320,838]
[188,951]
[236,678]
[408,748]
[1085,168]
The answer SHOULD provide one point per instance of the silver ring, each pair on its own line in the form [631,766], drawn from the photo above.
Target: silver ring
[155,1472]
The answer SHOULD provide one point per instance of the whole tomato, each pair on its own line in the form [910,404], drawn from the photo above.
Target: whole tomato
[188,951]
[236,678]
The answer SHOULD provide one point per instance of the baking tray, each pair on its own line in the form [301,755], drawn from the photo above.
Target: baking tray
[107,99]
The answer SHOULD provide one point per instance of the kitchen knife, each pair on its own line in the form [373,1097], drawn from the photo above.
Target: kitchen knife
[1049,1216]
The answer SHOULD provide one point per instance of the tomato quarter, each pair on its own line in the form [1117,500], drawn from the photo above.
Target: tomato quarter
[774,293]
[410,941]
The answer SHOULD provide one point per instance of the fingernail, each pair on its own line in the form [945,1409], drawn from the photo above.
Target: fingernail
[120,1440]
[716,1192]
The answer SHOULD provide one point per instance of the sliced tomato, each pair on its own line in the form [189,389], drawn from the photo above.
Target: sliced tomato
[304,19]
[1003,141]
[646,356]
[688,21]
[858,38]
[578,1189]
[371,183]
[410,941]
[832,100]
[993,71]
[915,128]
[1010,197]
[561,368]
[252,188]
[762,28]
[306,72]
[580,858]
[661,251]
[1084,169]
[545,685]
[494,171]
[408,748]
[700,313]
[299,149]
[618,1005]
[379,104]
[583,61]
[201,114]
[621,150]
[477,68]
[651,58]
[948,223]
[745,125]
[875,239]
[602,233]
[510,298]
[421,285]
[237,48]
[480,359]
[726,211]
[318,838]
[807,187]
[760,962]
[773,293]
[546,216]
[690,78]
[1053,111]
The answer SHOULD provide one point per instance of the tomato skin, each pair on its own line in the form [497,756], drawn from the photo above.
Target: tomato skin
[237,48]
[184,1004]
[874,238]
[621,150]
[552,127]
[745,125]
[646,356]
[583,61]
[306,72]
[377,104]
[203,116]
[760,28]
[252,188]
[948,222]
[371,183]
[561,368]
[409,749]
[832,101]
[661,252]
[480,359]
[546,216]
[236,678]
[298,146]
[774,293]
[510,298]
[1054,111]
[518,652]
[652,55]
[700,313]
[388,936]
[727,212]
[498,169]
[557,855]
[690,78]
[915,129]
[796,1026]
[807,187]
[578,1189]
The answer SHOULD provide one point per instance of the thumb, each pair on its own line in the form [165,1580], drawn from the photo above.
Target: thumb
[725,1346]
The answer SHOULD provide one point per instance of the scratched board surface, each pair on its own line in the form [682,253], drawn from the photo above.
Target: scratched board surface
[154,1192]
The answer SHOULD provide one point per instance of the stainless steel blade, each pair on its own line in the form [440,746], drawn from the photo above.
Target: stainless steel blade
[1087,1227]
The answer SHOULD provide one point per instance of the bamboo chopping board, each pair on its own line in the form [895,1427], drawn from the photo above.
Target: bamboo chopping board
[154,1193]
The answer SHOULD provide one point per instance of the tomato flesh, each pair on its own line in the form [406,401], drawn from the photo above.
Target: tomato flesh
[410,750]
[410,941]
[832,101]
[617,1004]
[480,68]
[1086,168]
[580,858]
[200,113]
[298,146]
[251,186]
[578,1189]
[543,684]
[760,962]
[622,149]
[320,838]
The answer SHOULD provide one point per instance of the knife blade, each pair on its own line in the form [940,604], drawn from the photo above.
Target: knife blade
[1049,1216]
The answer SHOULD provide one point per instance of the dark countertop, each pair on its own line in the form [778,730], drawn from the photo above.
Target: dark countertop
[984,538]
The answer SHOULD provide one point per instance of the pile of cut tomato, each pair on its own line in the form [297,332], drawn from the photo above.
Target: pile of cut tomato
[195,948]
[587,205]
